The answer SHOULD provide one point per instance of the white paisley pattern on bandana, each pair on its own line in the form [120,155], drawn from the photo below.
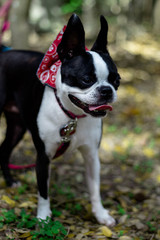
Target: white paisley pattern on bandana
[50,64]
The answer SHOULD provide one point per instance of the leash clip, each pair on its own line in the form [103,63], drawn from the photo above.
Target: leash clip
[67,130]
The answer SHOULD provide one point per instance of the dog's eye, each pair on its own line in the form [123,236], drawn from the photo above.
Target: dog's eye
[88,80]
[114,79]
[116,83]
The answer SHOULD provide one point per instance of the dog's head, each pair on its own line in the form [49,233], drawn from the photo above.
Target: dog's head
[89,79]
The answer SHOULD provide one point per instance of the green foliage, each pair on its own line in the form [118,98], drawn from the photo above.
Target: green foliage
[72,6]
[64,190]
[22,189]
[125,131]
[120,156]
[45,229]
[56,213]
[73,208]
[131,195]
[151,227]
[121,233]
[121,210]
[138,130]
[112,128]
[8,216]
[144,166]
[158,121]
[26,220]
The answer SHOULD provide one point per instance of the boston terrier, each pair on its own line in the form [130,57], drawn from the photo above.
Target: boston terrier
[63,118]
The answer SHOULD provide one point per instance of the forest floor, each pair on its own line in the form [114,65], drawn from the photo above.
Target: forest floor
[130,169]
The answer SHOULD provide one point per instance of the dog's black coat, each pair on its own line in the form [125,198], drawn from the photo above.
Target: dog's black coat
[20,97]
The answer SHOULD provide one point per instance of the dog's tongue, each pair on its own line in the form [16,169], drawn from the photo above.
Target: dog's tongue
[102,107]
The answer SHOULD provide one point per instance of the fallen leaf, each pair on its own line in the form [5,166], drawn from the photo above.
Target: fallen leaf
[158,234]
[3,228]
[29,238]
[71,236]
[9,201]
[27,204]
[25,235]
[79,236]
[125,238]
[89,233]
[22,231]
[148,152]
[106,231]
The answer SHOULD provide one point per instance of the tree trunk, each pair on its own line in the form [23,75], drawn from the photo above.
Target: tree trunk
[89,18]
[156,17]
[140,10]
[19,23]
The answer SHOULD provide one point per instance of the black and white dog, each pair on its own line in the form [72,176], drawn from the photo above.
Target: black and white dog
[86,83]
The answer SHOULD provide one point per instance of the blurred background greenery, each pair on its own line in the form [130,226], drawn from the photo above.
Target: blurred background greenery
[33,20]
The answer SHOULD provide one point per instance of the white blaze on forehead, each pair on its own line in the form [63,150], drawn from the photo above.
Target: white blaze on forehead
[101,69]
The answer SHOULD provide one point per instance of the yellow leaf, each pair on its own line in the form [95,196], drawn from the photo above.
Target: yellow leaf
[106,231]
[158,178]
[89,233]
[27,204]
[9,201]
[119,149]
[131,90]
[148,152]
[79,236]
[71,235]
[158,234]
[25,235]
[72,227]
[29,238]
[125,238]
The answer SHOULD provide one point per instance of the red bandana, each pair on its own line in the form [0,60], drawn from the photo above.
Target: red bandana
[50,64]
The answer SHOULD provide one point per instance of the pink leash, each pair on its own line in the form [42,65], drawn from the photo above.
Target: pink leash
[4,10]
[17,167]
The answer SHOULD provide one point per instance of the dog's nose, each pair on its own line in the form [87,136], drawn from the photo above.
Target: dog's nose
[105,92]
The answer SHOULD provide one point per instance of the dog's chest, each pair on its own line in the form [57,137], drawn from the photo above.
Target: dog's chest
[51,120]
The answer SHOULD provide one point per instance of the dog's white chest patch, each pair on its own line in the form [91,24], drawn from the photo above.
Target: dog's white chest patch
[50,119]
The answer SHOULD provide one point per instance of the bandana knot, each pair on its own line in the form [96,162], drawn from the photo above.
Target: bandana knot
[50,64]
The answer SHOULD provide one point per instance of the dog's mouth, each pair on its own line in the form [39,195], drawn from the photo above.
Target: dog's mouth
[93,110]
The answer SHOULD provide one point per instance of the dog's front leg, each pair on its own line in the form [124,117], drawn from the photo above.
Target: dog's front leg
[93,181]
[42,170]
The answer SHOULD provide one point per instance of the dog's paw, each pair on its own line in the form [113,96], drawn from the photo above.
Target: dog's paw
[103,217]
[43,210]
[43,214]
[16,184]
[43,217]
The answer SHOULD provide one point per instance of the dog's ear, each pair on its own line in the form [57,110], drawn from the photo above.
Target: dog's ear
[101,41]
[73,40]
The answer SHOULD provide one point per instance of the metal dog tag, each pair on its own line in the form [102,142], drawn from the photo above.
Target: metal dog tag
[67,130]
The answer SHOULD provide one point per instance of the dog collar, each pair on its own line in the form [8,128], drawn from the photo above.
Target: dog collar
[68,113]
[67,130]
